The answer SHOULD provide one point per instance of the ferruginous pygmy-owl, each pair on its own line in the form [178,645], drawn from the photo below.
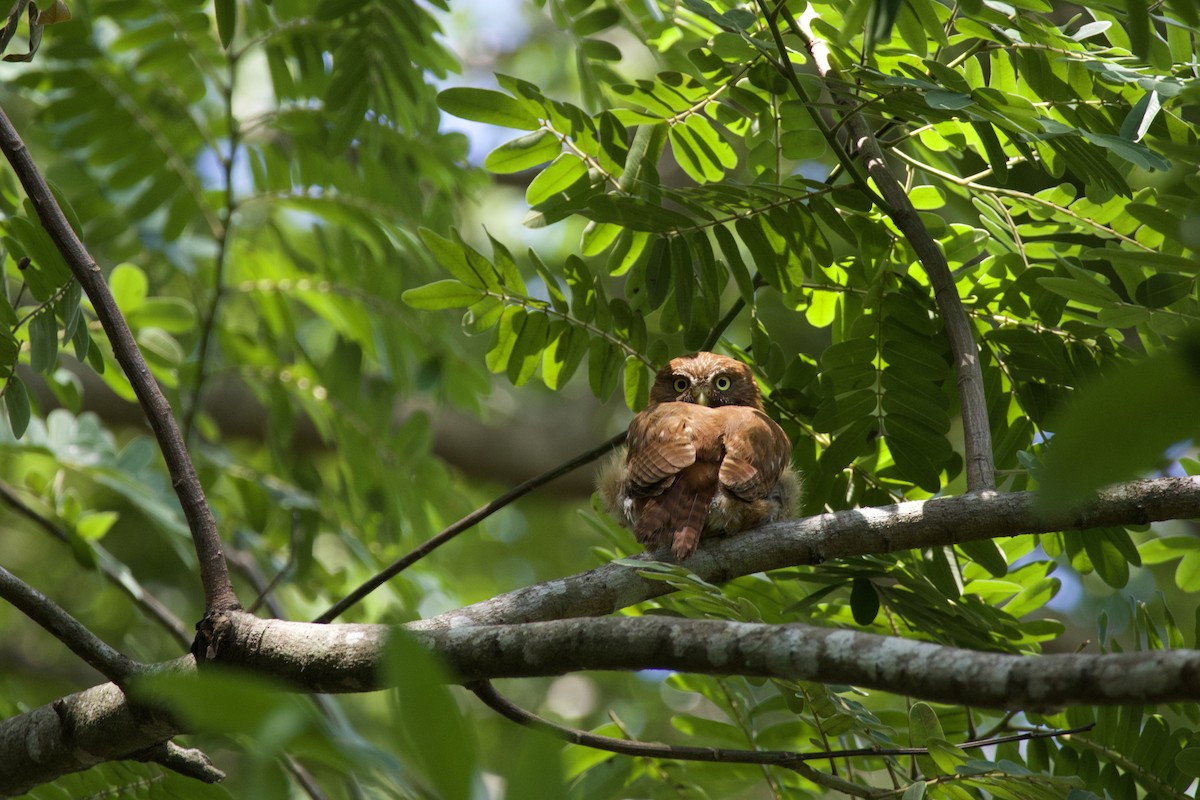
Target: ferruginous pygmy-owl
[702,458]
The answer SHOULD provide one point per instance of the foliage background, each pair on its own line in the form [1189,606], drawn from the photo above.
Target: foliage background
[254,176]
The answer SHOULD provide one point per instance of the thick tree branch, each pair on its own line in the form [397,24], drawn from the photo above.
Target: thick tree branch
[823,655]
[99,724]
[214,574]
[79,640]
[77,732]
[861,531]
[981,471]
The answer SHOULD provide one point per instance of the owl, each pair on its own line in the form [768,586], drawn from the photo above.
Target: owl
[703,457]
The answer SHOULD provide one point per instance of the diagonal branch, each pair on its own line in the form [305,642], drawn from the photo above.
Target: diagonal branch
[981,470]
[467,522]
[813,540]
[74,634]
[487,693]
[116,572]
[214,573]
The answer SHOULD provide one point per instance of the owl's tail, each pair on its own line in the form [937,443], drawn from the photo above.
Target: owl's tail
[677,516]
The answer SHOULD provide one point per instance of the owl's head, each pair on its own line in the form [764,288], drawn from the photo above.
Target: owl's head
[707,379]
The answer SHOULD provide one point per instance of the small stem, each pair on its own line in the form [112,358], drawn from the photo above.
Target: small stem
[223,236]
[476,516]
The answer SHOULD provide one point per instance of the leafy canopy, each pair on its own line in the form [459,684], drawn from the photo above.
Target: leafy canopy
[259,174]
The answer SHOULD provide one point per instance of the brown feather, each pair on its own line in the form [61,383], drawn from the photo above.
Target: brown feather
[702,457]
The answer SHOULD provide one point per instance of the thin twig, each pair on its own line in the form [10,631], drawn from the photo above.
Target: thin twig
[224,234]
[476,516]
[113,665]
[117,573]
[487,693]
[214,573]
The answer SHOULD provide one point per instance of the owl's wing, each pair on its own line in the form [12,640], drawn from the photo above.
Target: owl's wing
[661,442]
[756,451]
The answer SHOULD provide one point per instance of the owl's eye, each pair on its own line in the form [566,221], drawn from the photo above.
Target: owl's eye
[722,383]
[680,385]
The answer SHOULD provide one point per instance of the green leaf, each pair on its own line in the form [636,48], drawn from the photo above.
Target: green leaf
[594,22]
[1033,597]
[987,554]
[1187,573]
[533,766]
[428,724]
[1138,27]
[604,367]
[840,412]
[441,294]
[92,527]
[1137,154]
[505,339]
[637,383]
[1121,425]
[528,348]
[459,260]
[1144,258]
[1162,289]
[172,314]
[927,198]
[733,260]
[1187,761]
[566,170]
[1106,559]
[568,346]
[524,152]
[864,601]
[16,401]
[43,342]
[129,286]
[487,105]
[226,13]
[924,724]
[1088,291]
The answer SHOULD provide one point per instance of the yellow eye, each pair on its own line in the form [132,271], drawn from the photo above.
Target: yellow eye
[722,383]
[680,385]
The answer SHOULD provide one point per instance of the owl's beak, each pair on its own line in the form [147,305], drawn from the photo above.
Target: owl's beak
[702,395]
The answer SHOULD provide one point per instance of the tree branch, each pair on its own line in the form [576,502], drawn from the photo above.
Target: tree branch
[76,732]
[487,693]
[117,573]
[214,574]
[100,725]
[79,640]
[467,522]
[822,655]
[97,725]
[813,540]
[981,470]
[186,761]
